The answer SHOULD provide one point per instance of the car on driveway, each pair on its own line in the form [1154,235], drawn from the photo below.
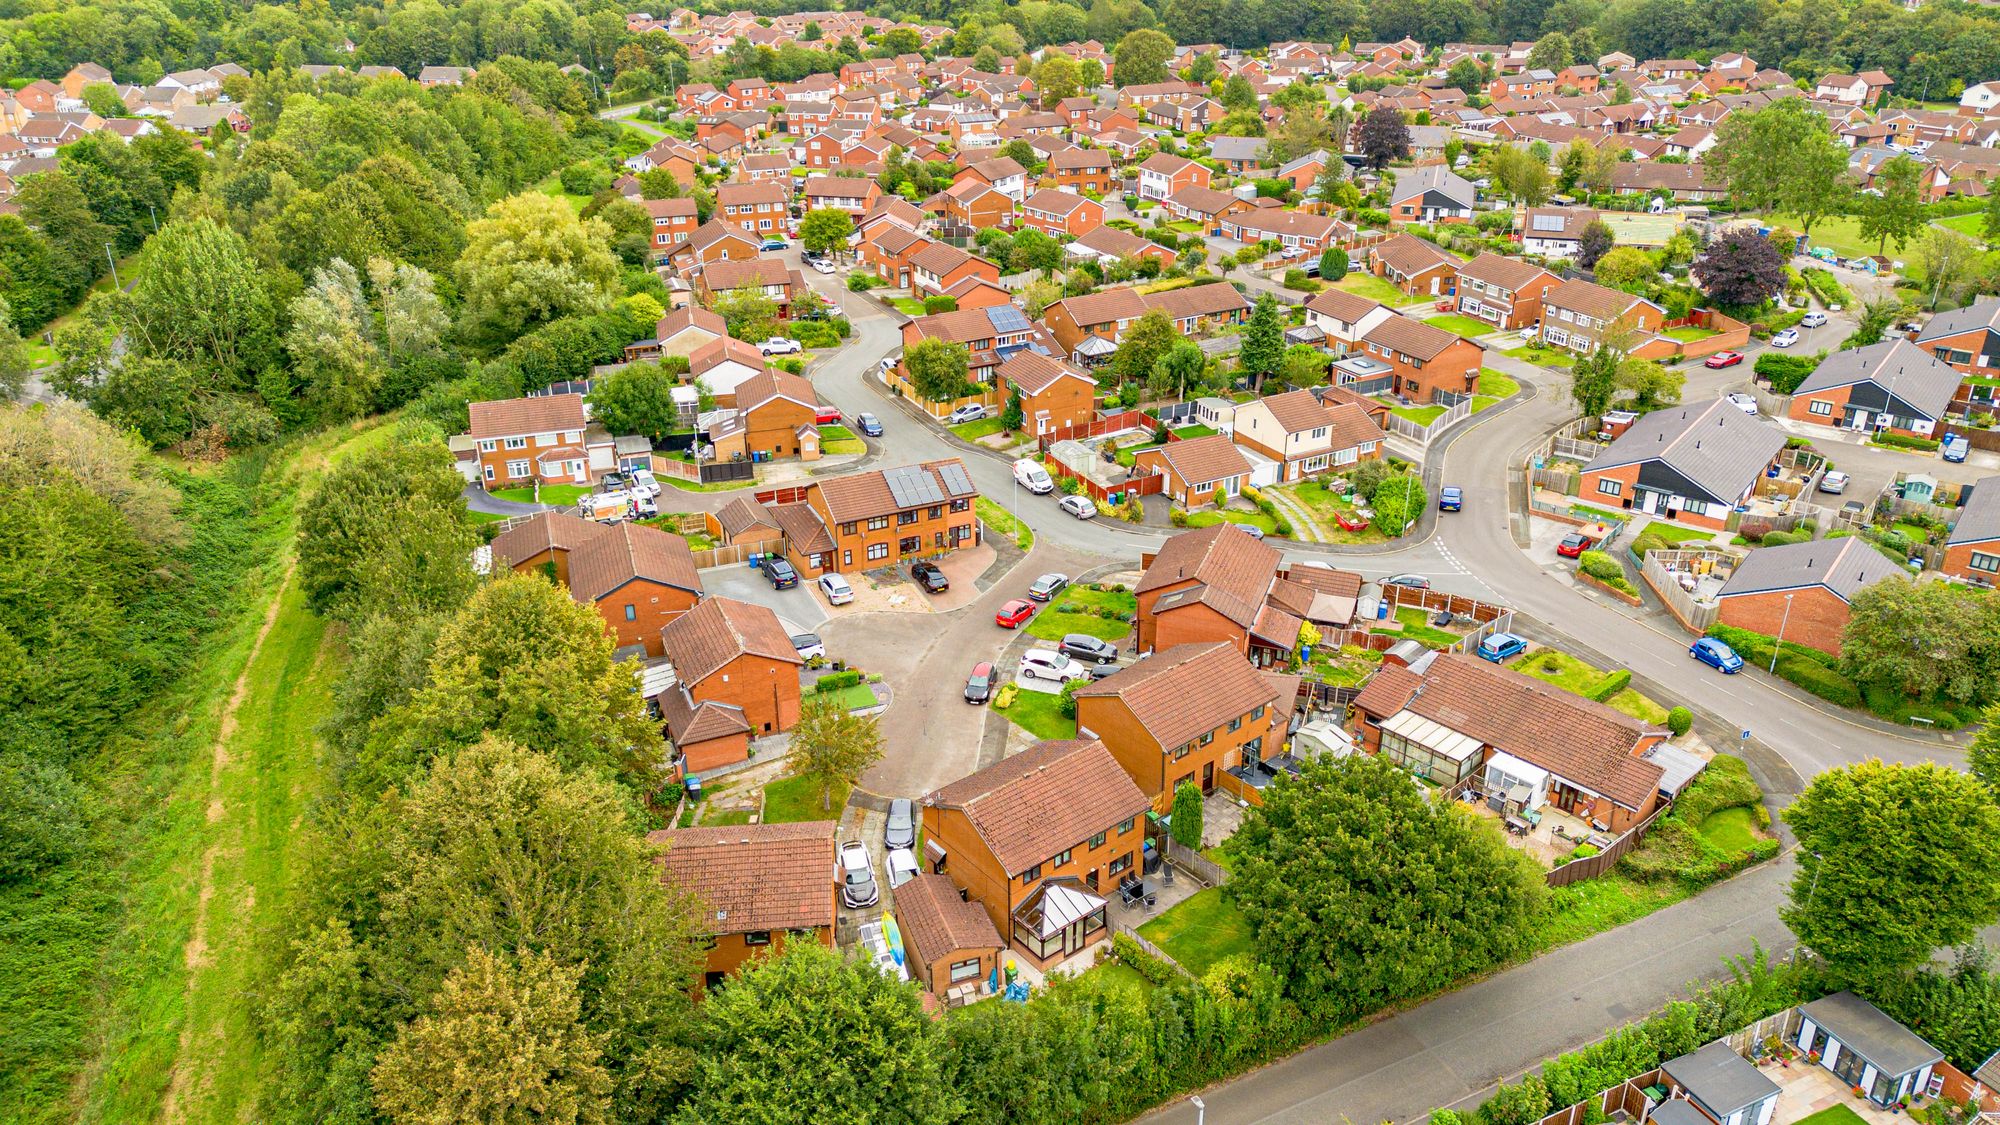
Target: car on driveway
[929,577]
[826,415]
[1786,338]
[1716,655]
[1083,646]
[1723,359]
[780,345]
[901,829]
[870,425]
[1048,586]
[836,589]
[1413,581]
[820,265]
[1451,499]
[1744,401]
[1834,483]
[1531,333]
[963,414]
[1048,664]
[856,875]
[1813,319]
[979,685]
[1574,545]
[1014,613]
[771,244]
[1500,646]
[1250,529]
[1078,506]
[809,645]
[780,572]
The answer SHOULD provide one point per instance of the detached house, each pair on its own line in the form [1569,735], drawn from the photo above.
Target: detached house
[1894,386]
[1804,589]
[1690,463]
[674,222]
[1039,840]
[1344,318]
[1972,552]
[1305,436]
[638,578]
[759,886]
[1218,584]
[769,278]
[1163,175]
[1427,363]
[1504,292]
[1082,169]
[1413,265]
[1054,395]
[1199,471]
[1432,193]
[1001,173]
[680,332]
[776,415]
[521,441]
[1187,714]
[1968,340]
[732,661]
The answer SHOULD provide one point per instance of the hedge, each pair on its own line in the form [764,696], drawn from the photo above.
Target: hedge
[1600,566]
[1611,685]
[1785,372]
[1820,680]
[1809,668]
[838,681]
[1901,441]
[1130,953]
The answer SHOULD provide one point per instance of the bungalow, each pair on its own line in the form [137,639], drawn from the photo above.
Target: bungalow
[1189,713]
[1969,340]
[1428,363]
[1295,230]
[737,655]
[1038,839]
[1054,395]
[1057,212]
[1893,386]
[1866,1049]
[1204,206]
[1163,175]
[1432,193]
[1687,182]
[1413,265]
[722,365]
[1692,464]
[1522,742]
[759,886]
[1305,436]
[769,278]
[1555,232]
[1199,471]
[1344,318]
[939,266]
[679,332]
[1103,315]
[713,241]
[1972,552]
[950,944]
[1802,590]
[1577,315]
[1200,309]
[638,578]
[1237,154]
[1504,292]
[1110,244]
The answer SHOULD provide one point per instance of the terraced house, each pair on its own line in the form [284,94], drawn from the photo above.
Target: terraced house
[1577,315]
[861,521]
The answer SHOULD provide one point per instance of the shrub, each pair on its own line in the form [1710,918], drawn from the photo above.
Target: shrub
[1297,279]
[1784,372]
[838,681]
[1600,566]
[1128,952]
[1903,441]
[862,282]
[1611,685]
[1821,680]
[1781,538]
[1680,720]
[940,303]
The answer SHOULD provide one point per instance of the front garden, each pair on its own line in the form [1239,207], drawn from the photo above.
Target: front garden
[1102,610]
[1579,678]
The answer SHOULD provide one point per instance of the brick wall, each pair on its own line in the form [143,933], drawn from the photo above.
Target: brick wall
[1817,616]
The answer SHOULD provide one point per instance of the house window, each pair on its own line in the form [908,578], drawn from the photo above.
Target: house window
[631,612]
[936,511]
[1611,487]
[517,443]
[517,469]
[1126,825]
[489,472]
[961,505]
[1031,874]
[1258,713]
[878,523]
[905,519]
[877,552]
[757,937]
[1235,725]
[910,545]
[486,447]
[1097,841]
[847,558]
[1208,738]
[1121,865]
[965,970]
[573,436]
[1983,561]
[1820,408]
[1062,858]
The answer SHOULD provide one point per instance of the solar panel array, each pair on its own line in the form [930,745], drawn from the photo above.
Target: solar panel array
[956,481]
[1007,318]
[912,487]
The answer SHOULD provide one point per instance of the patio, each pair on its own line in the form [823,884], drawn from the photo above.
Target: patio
[1808,1088]
[1551,836]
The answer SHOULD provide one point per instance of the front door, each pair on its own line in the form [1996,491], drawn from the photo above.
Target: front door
[1858,420]
[1207,778]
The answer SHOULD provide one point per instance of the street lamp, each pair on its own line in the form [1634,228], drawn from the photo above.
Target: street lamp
[1200,1109]
[109,257]
[1779,647]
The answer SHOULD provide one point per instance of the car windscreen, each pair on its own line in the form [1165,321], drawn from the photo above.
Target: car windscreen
[805,640]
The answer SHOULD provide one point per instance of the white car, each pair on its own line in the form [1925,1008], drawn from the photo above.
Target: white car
[809,645]
[780,345]
[820,265]
[902,865]
[1786,338]
[1747,403]
[1048,664]
[836,589]
[856,875]
[1531,333]
[1813,319]
[1078,506]
[1031,476]
[1834,483]
[972,413]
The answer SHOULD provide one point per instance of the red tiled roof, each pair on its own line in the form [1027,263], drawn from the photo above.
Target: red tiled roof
[514,417]
[1044,800]
[718,630]
[753,876]
[1186,691]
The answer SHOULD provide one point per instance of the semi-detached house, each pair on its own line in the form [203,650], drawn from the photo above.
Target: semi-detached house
[1056,212]
[1305,436]
[1163,175]
[1343,318]
[1504,292]
[1428,364]
[1577,315]
[756,208]
[851,194]
[1188,714]
[673,220]
[866,520]
[522,441]
[637,578]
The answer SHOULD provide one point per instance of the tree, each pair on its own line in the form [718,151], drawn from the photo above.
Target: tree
[1925,640]
[1944,259]
[760,1064]
[201,300]
[1989,227]
[1263,346]
[825,229]
[502,1042]
[1361,891]
[636,399]
[1593,242]
[1038,295]
[1896,211]
[1014,416]
[1876,317]
[1145,342]
[831,747]
[1033,250]
[531,260]
[1141,58]
[1895,863]
[1238,94]
[332,343]
[937,369]
[1057,78]
[347,526]
[1465,75]
[1982,756]
[748,313]
[414,320]
[1180,366]
[1627,268]
[1332,265]
[1650,384]
[1186,818]
[1551,52]
[1740,269]
[1594,379]
[1521,175]
[1782,157]
[1384,137]
[15,363]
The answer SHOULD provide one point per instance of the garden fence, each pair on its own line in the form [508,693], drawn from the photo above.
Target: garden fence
[1555,480]
[1662,571]
[1142,943]
[1424,432]
[1590,867]
[1205,870]
[737,553]
[1628,1097]
[1750,1040]
[1434,600]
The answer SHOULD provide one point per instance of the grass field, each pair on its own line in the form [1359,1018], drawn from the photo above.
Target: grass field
[1061,616]
[560,495]
[1840,234]
[1463,325]
[1200,931]
[1971,226]
[1733,830]
[790,800]
[1368,285]
[1036,712]
[1004,522]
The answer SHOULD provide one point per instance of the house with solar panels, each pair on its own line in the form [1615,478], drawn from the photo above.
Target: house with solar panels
[879,518]
[991,336]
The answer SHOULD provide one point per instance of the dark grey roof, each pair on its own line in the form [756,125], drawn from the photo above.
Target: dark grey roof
[1897,366]
[1979,520]
[1861,1027]
[1844,566]
[1236,148]
[1715,445]
[1434,177]
[1721,1080]
[1979,314]
[1677,1111]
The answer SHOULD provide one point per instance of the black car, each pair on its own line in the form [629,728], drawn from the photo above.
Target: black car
[1083,646]
[979,685]
[930,577]
[780,572]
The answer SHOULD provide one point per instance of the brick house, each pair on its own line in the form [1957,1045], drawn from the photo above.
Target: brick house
[1555,232]
[1576,315]
[1185,715]
[737,656]
[1294,230]
[950,942]
[769,278]
[865,520]
[1972,552]
[1431,193]
[1197,310]
[1802,589]
[1062,213]
[1204,206]
[1691,464]
[1082,169]
[1425,359]
[638,578]
[673,222]
[972,203]
[1163,175]
[1968,339]
[990,334]
[713,241]
[851,194]
[1504,292]
[1110,244]
[759,886]
[1305,436]
[774,408]
[1414,266]
[1529,742]
[754,208]
[888,250]
[1104,314]
[520,441]
[1893,386]
[939,266]
[680,332]
[1038,840]
[1218,584]
[1343,318]
[1199,471]
[1001,173]
[1053,394]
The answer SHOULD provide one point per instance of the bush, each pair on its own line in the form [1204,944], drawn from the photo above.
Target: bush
[1784,372]
[1680,720]
[1600,566]
[1781,538]
[1821,680]
[940,303]
[1903,441]
[838,681]
[1611,685]
[858,282]
[1297,279]
[1128,953]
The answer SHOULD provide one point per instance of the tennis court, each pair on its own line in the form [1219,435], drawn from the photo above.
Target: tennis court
[1638,228]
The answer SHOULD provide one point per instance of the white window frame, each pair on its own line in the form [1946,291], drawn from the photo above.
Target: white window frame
[518,470]
[517,443]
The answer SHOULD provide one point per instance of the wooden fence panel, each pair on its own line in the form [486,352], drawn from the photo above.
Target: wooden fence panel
[1196,864]
[737,553]
[1591,867]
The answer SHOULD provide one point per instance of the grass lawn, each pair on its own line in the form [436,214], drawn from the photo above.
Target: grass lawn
[1481,402]
[1184,226]
[1368,285]
[908,305]
[1592,906]
[853,698]
[1063,616]
[1257,520]
[1186,433]
[790,800]
[1833,1115]
[1733,830]
[1575,676]
[1223,855]
[834,431]
[1677,532]
[1003,522]
[1463,325]
[1128,455]
[477,518]
[1036,713]
[1688,334]
[1496,384]
[1417,626]
[1840,234]
[1421,415]
[560,495]
[1913,533]
[973,431]
[835,441]
[1111,974]
[1344,667]
[1540,356]
[1972,226]
[1325,505]
[1200,931]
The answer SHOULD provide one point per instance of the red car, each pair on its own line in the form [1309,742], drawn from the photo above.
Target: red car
[827,414]
[1574,545]
[1014,613]
[1723,359]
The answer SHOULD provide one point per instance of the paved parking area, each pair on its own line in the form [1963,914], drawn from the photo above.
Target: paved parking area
[800,606]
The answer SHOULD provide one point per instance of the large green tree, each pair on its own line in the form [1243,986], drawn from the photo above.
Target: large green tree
[1145,342]
[1925,640]
[350,523]
[1895,211]
[1783,157]
[937,368]
[1141,58]
[1362,891]
[1895,863]
[1982,756]
[1263,341]
[1593,380]
[202,301]
[825,229]
[636,399]
[831,747]
[332,343]
[529,261]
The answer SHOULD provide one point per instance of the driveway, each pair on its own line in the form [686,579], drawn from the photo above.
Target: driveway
[801,607]
[479,500]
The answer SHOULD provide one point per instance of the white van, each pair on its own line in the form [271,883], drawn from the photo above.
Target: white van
[1033,477]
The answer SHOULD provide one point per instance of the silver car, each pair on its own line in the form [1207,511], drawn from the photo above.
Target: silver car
[1048,664]
[1078,506]
[1834,483]
[856,875]
[901,829]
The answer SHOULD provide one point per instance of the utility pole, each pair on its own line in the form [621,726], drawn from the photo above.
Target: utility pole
[1780,646]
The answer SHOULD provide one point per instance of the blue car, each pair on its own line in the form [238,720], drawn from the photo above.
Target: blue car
[1716,655]
[1451,499]
[870,425]
[1501,646]
[772,244]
